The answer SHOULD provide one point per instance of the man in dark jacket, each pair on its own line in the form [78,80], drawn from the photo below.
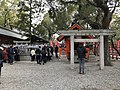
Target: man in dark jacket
[81,57]
[44,49]
[38,55]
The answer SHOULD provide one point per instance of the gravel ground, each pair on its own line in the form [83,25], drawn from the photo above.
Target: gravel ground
[58,75]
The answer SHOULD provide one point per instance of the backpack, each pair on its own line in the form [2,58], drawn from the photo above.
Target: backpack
[43,52]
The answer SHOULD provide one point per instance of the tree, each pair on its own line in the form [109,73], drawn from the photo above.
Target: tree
[96,13]
[28,11]
[8,13]
[107,13]
[48,25]
[41,31]
[23,22]
[115,25]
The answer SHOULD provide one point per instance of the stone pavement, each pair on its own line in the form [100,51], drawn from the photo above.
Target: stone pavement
[58,75]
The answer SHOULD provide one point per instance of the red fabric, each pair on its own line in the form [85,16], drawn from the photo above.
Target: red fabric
[5,55]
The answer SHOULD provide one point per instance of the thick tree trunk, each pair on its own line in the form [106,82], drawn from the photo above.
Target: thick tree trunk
[107,60]
[105,24]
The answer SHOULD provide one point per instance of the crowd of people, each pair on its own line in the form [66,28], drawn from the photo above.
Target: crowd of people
[8,55]
[45,53]
[11,54]
[42,54]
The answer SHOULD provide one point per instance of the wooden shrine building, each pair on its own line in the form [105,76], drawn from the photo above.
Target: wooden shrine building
[8,36]
[76,32]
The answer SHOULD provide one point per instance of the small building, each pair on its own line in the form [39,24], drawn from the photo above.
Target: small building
[7,36]
[100,38]
[38,40]
[75,26]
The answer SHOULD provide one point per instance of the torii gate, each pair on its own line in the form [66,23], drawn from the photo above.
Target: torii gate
[101,33]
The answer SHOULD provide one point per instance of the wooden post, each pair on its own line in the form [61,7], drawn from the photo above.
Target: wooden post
[101,52]
[72,51]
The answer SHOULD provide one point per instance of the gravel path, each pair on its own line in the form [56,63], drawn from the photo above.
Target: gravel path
[57,75]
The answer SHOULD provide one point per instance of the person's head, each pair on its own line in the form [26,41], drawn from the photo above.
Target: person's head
[11,46]
[87,46]
[80,45]
[39,46]
[60,46]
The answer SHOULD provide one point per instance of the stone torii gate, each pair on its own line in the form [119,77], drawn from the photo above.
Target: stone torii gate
[101,33]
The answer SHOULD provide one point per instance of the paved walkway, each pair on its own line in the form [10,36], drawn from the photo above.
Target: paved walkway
[57,75]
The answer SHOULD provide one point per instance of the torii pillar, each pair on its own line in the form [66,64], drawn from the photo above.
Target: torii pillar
[72,51]
[101,52]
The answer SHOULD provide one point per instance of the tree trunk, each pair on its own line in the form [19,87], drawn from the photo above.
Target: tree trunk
[106,52]
[49,34]
[105,24]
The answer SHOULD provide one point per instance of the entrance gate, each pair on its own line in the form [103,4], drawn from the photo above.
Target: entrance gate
[100,33]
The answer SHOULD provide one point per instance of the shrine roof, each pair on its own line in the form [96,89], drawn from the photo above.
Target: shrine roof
[73,27]
[7,32]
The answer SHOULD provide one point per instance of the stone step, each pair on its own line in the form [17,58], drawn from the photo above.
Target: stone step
[25,58]
[93,58]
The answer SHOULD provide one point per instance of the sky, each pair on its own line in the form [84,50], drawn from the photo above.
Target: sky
[39,19]
[117,11]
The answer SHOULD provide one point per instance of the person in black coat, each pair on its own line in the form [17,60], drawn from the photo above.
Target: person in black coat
[56,51]
[51,50]
[1,60]
[38,55]
[49,54]
[44,50]
[17,55]
[81,50]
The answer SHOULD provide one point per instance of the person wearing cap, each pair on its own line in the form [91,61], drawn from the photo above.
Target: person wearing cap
[1,60]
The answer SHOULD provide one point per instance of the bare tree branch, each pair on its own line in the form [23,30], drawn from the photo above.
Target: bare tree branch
[114,6]
[98,15]
[93,4]
[100,4]
[106,1]
[114,47]
[68,2]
